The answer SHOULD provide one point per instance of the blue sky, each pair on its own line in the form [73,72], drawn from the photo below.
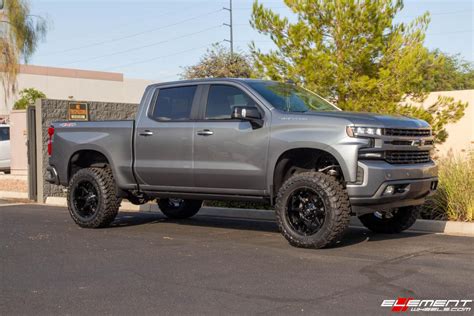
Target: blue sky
[155,39]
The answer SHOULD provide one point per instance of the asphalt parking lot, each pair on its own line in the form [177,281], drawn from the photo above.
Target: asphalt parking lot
[145,264]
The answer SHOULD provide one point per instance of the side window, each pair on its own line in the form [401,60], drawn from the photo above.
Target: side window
[174,104]
[222,99]
[4,133]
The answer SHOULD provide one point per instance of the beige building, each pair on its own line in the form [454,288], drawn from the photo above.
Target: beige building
[461,134]
[64,83]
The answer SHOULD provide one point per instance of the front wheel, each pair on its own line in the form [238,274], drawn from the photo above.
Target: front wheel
[312,210]
[179,208]
[392,221]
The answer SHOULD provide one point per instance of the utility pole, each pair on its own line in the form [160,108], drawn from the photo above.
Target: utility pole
[230,25]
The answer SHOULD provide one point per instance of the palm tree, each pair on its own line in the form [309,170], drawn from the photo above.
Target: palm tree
[20,33]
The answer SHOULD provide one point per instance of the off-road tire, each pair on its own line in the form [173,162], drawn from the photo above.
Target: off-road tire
[187,209]
[402,220]
[108,202]
[337,209]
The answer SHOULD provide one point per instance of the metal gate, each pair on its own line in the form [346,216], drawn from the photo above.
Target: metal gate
[31,145]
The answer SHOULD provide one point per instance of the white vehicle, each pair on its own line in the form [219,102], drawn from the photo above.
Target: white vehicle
[5,148]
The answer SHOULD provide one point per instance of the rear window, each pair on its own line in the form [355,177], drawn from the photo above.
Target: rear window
[174,104]
[4,133]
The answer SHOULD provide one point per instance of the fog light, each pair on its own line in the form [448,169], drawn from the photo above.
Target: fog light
[390,189]
[370,155]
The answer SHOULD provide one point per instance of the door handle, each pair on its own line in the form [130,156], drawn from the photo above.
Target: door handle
[146,133]
[205,132]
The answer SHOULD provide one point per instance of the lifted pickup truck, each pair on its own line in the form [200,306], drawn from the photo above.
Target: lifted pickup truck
[241,139]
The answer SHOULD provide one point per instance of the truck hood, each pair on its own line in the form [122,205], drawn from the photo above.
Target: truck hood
[374,119]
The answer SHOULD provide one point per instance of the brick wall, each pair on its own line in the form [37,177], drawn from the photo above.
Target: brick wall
[56,110]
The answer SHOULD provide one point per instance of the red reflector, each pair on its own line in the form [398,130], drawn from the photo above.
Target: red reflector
[50,140]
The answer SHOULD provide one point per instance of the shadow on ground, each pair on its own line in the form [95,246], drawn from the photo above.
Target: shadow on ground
[353,236]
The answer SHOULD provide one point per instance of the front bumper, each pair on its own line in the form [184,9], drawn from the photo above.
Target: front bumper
[416,182]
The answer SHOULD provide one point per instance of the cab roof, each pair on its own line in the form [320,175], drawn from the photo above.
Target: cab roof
[208,80]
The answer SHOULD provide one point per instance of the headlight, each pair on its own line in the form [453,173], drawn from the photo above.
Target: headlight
[362,131]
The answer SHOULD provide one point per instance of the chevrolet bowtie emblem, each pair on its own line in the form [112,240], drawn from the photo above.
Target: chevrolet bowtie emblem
[417,142]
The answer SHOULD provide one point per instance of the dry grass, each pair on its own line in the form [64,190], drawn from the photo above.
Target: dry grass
[454,199]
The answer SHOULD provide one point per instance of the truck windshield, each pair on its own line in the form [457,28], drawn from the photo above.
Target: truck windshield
[290,98]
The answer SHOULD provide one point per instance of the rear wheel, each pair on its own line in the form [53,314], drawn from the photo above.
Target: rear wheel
[392,221]
[179,208]
[312,210]
[92,197]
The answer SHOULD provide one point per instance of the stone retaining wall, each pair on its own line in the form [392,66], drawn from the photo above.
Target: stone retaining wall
[57,110]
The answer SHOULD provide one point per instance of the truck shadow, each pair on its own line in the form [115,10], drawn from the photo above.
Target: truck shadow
[353,236]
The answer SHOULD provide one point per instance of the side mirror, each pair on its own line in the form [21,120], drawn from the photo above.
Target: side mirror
[248,113]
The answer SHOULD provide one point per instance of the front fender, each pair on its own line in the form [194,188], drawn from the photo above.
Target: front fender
[328,138]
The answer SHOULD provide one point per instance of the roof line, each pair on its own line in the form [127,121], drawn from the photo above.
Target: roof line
[70,73]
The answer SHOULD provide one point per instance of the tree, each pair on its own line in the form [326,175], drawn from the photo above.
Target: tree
[353,53]
[453,73]
[19,41]
[28,97]
[219,62]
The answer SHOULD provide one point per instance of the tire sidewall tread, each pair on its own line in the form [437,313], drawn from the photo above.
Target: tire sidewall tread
[109,203]
[401,221]
[187,210]
[337,210]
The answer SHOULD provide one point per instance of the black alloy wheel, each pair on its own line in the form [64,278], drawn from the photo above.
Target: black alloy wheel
[306,211]
[85,199]
[312,210]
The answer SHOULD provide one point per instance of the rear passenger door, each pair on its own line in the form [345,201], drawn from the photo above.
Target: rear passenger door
[230,156]
[164,140]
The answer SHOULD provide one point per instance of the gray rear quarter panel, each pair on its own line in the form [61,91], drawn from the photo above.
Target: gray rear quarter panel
[113,139]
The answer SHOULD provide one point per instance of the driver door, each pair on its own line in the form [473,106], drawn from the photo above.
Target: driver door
[230,156]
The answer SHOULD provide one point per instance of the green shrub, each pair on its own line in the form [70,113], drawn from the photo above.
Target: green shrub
[28,97]
[454,199]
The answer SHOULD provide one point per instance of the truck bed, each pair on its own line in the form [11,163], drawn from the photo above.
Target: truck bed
[114,139]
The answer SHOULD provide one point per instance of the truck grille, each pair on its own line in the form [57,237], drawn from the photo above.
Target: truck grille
[407,157]
[407,132]
[407,142]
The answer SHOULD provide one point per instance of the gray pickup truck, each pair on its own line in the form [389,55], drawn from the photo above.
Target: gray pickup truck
[252,140]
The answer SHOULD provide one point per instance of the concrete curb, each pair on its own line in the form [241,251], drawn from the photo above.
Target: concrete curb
[421,225]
